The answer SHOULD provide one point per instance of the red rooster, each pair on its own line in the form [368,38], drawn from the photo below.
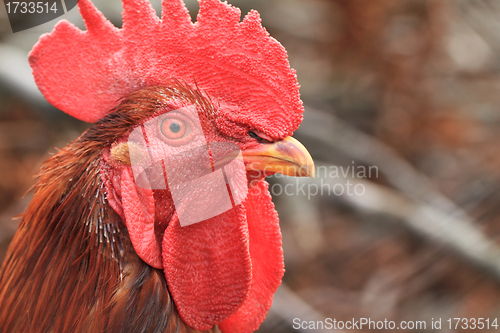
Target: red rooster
[157,218]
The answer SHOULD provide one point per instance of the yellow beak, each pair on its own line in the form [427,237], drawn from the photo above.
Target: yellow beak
[288,157]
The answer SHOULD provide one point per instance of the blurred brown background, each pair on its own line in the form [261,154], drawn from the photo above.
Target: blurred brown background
[410,87]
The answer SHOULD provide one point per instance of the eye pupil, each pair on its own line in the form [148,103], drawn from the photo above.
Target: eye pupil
[175,127]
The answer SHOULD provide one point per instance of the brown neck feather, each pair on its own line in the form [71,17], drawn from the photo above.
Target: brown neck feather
[71,266]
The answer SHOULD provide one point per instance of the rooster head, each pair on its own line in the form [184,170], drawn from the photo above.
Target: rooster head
[203,112]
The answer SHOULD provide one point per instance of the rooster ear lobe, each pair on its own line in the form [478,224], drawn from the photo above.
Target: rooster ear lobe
[139,212]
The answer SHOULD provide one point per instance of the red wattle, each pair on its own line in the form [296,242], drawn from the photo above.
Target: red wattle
[267,261]
[207,267]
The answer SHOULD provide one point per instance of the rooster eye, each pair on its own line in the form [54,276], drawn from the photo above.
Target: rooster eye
[174,128]
[259,138]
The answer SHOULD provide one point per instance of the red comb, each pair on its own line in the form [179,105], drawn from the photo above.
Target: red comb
[237,63]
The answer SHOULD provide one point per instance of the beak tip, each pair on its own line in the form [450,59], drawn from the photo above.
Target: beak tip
[288,157]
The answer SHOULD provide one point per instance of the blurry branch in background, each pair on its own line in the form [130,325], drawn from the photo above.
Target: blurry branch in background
[416,203]
[457,234]
[287,305]
[482,16]
[327,129]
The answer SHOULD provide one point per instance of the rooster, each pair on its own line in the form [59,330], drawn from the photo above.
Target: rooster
[158,217]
